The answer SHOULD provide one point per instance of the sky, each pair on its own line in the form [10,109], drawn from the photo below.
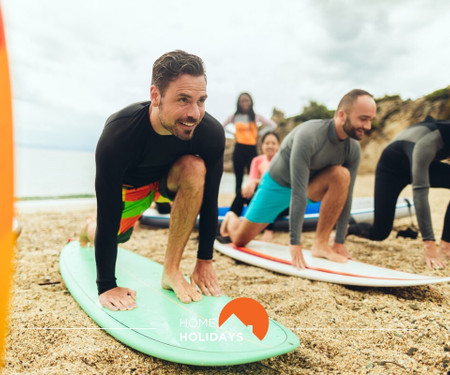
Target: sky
[73,63]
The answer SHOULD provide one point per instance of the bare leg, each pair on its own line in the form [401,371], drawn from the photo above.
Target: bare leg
[240,230]
[186,178]
[330,187]
[267,235]
[224,224]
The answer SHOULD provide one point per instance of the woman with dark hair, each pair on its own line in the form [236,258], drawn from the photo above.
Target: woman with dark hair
[246,123]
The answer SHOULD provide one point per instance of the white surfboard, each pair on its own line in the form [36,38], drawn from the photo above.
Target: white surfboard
[277,258]
[362,212]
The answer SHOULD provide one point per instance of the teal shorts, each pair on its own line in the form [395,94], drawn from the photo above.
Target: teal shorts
[269,200]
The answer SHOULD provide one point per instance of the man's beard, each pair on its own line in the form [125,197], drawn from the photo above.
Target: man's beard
[350,130]
[183,134]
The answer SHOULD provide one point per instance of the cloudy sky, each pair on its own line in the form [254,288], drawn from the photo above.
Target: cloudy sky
[75,62]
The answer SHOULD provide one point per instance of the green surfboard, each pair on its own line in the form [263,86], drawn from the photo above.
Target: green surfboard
[161,325]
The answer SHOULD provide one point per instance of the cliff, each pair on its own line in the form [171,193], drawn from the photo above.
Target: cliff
[393,115]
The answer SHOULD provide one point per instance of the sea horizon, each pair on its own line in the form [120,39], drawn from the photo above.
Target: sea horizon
[42,172]
[55,173]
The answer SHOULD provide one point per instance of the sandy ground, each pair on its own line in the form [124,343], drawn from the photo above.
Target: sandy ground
[343,330]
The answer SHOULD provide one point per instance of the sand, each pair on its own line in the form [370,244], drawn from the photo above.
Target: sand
[343,330]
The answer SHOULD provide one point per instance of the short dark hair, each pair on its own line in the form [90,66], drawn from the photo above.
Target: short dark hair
[172,64]
[350,98]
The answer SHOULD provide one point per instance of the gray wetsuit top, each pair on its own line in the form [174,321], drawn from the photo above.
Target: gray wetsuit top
[305,152]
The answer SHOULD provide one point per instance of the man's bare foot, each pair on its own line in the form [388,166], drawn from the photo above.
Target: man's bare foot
[137,226]
[431,255]
[224,225]
[184,291]
[444,249]
[340,248]
[87,233]
[267,235]
[328,253]
[118,298]
[17,228]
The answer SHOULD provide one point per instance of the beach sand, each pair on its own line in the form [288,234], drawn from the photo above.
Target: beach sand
[342,330]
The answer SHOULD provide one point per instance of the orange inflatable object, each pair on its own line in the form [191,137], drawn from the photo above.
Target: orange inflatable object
[6,189]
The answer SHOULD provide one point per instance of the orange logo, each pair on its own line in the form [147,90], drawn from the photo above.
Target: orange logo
[249,312]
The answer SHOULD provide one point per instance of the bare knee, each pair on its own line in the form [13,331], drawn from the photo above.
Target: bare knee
[240,240]
[189,171]
[194,168]
[340,175]
[193,165]
[332,179]
[246,232]
[237,235]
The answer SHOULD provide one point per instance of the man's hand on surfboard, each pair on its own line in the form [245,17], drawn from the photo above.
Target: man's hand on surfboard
[431,255]
[297,256]
[118,298]
[204,276]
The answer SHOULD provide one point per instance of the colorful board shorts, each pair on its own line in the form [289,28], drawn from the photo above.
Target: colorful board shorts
[134,202]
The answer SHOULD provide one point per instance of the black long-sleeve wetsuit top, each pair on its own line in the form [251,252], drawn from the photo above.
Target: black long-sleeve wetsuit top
[130,152]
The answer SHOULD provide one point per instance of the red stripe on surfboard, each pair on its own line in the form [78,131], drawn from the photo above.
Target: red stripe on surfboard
[284,261]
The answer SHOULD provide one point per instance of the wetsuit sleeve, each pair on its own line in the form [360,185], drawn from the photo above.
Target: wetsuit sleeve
[212,145]
[301,154]
[423,154]
[112,159]
[352,165]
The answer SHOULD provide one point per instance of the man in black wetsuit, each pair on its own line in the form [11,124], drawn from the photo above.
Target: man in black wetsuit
[413,157]
[168,147]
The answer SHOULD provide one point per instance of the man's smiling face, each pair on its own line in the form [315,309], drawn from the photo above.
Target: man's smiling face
[182,106]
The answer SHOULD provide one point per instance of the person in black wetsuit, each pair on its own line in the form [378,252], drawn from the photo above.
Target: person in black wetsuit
[413,157]
[167,147]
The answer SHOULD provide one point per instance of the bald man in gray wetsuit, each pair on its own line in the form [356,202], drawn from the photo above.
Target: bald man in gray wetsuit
[317,161]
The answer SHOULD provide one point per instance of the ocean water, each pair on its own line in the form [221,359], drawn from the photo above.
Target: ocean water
[53,173]
[49,173]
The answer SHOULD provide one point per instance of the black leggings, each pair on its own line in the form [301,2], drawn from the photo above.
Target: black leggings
[242,158]
[388,185]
